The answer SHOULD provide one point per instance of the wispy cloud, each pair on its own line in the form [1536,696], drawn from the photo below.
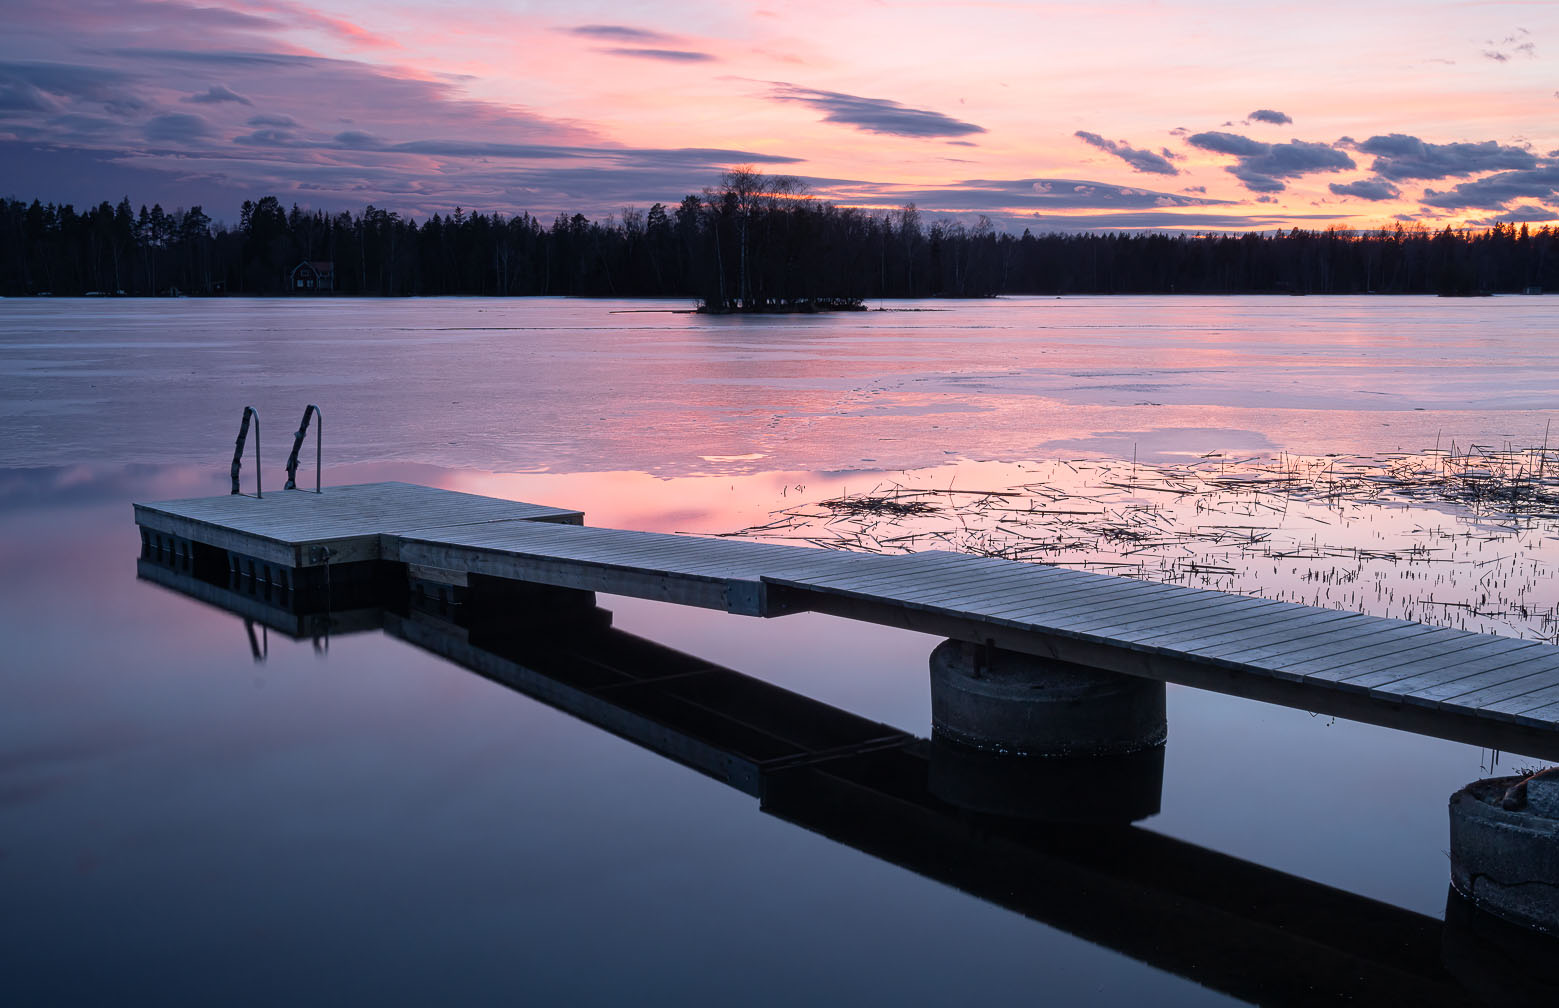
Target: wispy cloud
[665,55]
[46,84]
[1524,214]
[875,115]
[24,97]
[1140,160]
[361,140]
[1015,195]
[641,43]
[217,94]
[238,58]
[618,33]
[177,127]
[282,13]
[1518,43]
[1173,221]
[294,82]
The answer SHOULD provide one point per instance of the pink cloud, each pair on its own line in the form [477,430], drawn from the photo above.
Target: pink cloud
[349,31]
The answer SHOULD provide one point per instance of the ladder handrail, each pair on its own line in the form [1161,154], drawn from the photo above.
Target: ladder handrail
[297,443]
[238,450]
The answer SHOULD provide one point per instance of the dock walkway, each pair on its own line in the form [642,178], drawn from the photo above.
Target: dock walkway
[1480,688]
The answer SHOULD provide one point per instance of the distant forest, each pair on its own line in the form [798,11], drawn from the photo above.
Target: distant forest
[752,243]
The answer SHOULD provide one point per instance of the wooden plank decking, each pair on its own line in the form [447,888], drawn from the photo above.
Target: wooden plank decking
[290,526]
[1428,679]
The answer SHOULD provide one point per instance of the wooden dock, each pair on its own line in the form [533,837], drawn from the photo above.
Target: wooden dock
[300,529]
[1478,688]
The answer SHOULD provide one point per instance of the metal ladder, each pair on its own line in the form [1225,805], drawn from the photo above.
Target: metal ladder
[297,443]
[250,413]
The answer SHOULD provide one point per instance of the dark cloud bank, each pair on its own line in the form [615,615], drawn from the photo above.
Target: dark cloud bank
[1366,189]
[1262,167]
[1398,156]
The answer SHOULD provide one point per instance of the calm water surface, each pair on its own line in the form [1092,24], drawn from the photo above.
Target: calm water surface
[181,823]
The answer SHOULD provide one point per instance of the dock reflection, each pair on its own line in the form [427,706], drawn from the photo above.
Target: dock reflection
[1228,924]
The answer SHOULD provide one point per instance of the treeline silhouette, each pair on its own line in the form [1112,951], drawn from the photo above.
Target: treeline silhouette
[753,243]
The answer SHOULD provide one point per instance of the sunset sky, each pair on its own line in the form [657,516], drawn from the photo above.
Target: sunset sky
[1194,115]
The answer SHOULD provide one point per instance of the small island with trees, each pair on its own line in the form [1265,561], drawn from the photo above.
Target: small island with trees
[760,223]
[752,243]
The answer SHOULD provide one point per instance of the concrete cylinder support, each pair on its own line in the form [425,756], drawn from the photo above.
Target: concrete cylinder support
[1505,848]
[1003,702]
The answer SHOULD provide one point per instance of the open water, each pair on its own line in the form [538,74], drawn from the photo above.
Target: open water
[358,821]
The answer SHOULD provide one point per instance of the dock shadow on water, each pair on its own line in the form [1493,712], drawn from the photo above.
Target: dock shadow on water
[1227,924]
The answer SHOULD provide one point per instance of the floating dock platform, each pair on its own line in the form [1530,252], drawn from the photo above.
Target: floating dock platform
[338,545]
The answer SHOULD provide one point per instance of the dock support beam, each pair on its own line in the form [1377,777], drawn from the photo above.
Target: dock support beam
[1505,848]
[1000,701]
[1034,738]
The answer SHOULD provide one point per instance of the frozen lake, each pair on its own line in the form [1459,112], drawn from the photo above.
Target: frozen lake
[182,823]
[595,386]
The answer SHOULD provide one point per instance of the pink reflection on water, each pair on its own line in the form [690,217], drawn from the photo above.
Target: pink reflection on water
[1399,536]
[705,505]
